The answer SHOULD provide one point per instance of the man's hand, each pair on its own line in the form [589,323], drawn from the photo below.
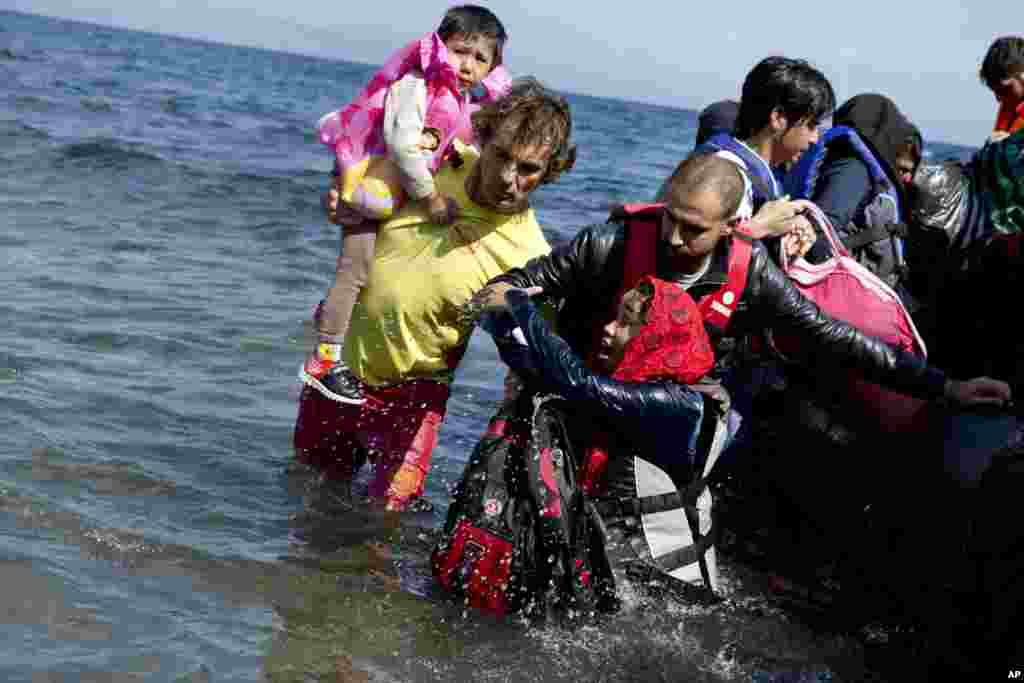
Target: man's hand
[339,212]
[800,239]
[978,391]
[494,297]
[998,136]
[776,217]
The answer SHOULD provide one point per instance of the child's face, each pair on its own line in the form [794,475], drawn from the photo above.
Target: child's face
[616,334]
[472,57]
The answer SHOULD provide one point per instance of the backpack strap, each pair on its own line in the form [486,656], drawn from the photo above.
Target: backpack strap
[878,233]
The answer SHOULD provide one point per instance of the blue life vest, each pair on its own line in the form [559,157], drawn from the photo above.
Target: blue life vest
[883,210]
[766,185]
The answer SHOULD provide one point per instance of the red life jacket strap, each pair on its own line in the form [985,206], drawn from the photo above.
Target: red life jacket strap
[718,307]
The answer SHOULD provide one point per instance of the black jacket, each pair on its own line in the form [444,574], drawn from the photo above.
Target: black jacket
[585,276]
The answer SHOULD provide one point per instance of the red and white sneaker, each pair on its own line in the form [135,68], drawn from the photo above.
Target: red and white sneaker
[327,373]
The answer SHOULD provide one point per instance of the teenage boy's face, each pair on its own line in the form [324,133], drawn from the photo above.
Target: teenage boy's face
[796,140]
[472,57]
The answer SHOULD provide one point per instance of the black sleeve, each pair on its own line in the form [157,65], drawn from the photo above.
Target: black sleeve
[567,376]
[570,267]
[827,342]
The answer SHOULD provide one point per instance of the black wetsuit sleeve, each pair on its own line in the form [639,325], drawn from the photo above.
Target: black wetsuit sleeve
[826,342]
[565,374]
[843,186]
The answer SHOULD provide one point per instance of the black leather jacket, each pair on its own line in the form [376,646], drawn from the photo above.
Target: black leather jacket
[585,276]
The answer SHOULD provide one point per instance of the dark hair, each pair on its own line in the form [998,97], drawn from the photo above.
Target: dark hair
[539,116]
[644,290]
[1005,58]
[710,172]
[719,117]
[473,20]
[792,86]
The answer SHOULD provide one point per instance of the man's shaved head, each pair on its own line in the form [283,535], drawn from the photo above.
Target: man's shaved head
[702,199]
[704,172]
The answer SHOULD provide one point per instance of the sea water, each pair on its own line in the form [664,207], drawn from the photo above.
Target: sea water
[161,249]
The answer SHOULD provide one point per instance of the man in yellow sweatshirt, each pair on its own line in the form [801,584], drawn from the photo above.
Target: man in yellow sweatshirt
[408,331]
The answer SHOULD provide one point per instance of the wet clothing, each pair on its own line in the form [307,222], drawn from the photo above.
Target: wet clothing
[407,335]
[586,274]
[646,437]
[406,323]
[844,189]
[395,429]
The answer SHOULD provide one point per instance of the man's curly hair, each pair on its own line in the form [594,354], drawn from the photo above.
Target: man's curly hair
[538,116]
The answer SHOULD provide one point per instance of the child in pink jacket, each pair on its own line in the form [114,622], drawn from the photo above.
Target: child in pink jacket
[389,142]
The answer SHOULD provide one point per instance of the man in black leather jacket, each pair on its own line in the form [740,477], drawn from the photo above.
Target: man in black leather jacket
[694,241]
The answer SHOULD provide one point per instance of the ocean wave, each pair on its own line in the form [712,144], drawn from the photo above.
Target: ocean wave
[289,130]
[17,129]
[32,103]
[97,104]
[118,478]
[178,105]
[107,152]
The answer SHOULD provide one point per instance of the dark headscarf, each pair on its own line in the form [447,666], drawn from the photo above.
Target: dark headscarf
[880,124]
[884,129]
[718,117]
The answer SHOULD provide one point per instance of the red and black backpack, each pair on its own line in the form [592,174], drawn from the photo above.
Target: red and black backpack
[519,537]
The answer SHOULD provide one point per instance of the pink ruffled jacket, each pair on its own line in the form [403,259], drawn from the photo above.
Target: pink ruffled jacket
[356,132]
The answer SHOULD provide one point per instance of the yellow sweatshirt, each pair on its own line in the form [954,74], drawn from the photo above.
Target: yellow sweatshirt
[406,324]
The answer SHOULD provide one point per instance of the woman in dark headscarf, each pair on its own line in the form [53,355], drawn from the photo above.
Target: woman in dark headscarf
[846,191]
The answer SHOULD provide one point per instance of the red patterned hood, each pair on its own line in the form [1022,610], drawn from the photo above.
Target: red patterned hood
[672,344]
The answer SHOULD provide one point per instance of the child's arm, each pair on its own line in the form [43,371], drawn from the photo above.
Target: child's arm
[405,110]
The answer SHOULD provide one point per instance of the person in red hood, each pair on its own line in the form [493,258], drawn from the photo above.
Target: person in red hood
[635,385]
[634,405]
